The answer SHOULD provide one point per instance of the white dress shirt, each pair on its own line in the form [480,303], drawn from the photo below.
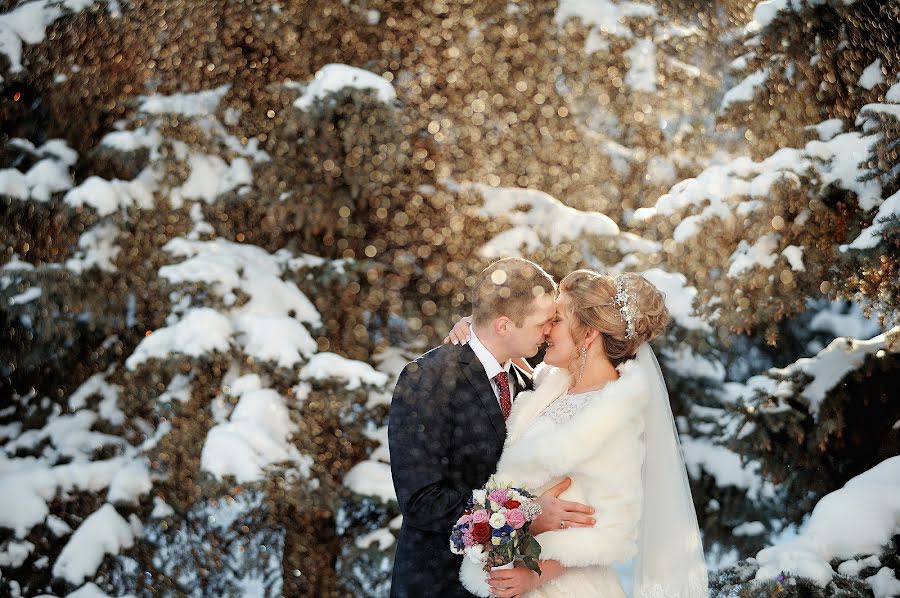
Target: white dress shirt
[492,367]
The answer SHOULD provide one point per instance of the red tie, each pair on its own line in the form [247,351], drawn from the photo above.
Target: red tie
[502,380]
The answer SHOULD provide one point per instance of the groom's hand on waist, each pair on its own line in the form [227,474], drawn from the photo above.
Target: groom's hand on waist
[560,514]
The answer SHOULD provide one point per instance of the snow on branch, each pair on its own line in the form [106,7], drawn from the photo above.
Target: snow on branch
[858,519]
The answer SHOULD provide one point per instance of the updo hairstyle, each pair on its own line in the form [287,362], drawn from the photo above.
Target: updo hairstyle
[593,305]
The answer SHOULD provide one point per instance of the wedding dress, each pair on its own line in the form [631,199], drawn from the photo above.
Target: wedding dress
[598,440]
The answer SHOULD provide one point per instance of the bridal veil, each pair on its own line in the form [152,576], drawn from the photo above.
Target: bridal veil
[669,562]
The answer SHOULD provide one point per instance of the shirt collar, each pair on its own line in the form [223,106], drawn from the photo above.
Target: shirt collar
[492,367]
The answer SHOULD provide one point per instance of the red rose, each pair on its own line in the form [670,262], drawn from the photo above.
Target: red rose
[481,532]
[512,504]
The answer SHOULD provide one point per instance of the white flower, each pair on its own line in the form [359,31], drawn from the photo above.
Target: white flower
[497,520]
[495,506]
[495,541]
[480,496]
[476,554]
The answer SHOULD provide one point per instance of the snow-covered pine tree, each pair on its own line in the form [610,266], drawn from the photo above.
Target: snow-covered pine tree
[808,216]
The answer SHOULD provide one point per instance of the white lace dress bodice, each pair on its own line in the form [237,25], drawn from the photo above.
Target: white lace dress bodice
[565,407]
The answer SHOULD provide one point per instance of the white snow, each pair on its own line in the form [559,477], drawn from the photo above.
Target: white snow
[841,157]
[853,567]
[43,179]
[109,394]
[827,129]
[641,75]
[26,296]
[382,536]
[200,331]
[200,103]
[256,435]
[129,141]
[766,11]
[268,326]
[57,526]
[371,478]
[108,197]
[745,90]
[56,148]
[872,75]
[884,584]
[334,77]
[103,532]
[328,366]
[842,356]
[749,528]
[130,483]
[210,177]
[97,248]
[27,484]
[794,256]
[537,218]
[179,389]
[679,297]
[14,554]
[871,236]
[843,319]
[27,23]
[281,339]
[605,15]
[761,253]
[720,190]
[228,266]
[161,509]
[725,466]
[685,361]
[893,94]
[857,519]
[88,590]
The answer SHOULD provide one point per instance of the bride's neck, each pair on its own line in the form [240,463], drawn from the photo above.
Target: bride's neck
[597,374]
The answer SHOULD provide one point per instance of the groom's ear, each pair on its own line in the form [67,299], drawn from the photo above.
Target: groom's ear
[501,325]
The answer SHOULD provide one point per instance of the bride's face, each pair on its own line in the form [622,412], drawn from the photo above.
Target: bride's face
[560,344]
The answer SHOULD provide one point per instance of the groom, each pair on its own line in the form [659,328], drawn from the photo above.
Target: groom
[447,425]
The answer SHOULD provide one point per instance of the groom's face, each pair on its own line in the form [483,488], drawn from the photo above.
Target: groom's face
[525,340]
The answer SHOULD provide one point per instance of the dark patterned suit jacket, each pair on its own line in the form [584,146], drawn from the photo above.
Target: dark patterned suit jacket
[445,434]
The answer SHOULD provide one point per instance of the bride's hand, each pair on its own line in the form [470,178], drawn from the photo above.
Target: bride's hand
[460,332]
[508,583]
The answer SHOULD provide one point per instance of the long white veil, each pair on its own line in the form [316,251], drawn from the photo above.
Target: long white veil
[669,563]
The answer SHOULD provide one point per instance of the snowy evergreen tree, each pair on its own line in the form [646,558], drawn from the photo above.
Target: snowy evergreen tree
[228,226]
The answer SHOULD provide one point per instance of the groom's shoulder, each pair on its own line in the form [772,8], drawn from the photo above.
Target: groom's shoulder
[437,361]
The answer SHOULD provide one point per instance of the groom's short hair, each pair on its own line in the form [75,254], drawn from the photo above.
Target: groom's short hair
[508,288]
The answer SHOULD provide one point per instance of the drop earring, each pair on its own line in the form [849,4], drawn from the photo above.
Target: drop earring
[583,364]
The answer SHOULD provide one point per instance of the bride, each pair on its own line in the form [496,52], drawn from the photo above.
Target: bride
[600,415]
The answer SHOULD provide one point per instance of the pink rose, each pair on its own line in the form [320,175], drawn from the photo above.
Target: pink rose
[480,516]
[464,519]
[498,496]
[515,518]
[468,539]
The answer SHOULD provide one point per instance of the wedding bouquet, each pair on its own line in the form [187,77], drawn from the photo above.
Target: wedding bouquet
[493,530]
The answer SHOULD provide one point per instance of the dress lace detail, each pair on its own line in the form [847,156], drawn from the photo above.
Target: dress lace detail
[566,406]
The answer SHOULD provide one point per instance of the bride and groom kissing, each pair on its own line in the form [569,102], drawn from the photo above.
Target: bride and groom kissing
[590,431]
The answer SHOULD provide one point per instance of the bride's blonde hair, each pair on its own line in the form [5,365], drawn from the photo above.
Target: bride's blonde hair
[593,305]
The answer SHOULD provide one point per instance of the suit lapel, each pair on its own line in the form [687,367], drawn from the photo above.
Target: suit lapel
[477,377]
